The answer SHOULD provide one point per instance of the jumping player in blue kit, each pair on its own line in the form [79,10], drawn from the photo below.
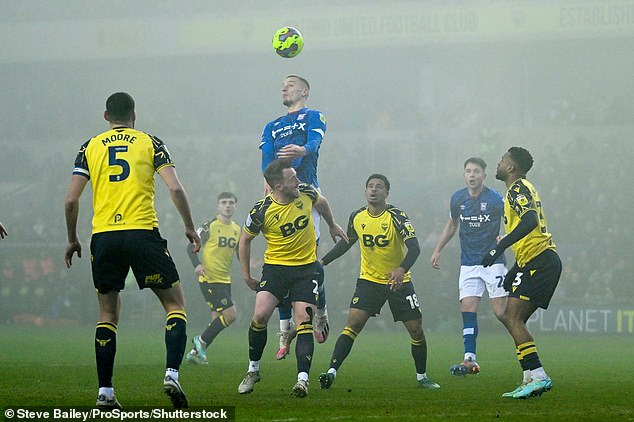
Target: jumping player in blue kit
[297,136]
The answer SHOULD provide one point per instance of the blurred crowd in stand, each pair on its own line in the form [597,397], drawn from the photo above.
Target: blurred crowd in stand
[573,172]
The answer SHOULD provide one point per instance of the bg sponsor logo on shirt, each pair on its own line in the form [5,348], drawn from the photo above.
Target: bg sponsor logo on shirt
[291,228]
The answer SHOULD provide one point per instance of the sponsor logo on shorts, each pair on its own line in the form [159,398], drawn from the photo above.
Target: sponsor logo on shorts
[153,279]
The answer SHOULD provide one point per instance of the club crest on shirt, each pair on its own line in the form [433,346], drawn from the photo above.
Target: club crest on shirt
[483,206]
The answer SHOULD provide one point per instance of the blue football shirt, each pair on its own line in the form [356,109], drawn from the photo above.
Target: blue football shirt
[479,223]
[305,127]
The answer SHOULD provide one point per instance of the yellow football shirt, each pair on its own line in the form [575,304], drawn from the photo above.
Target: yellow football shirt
[219,242]
[288,229]
[120,164]
[381,240]
[522,197]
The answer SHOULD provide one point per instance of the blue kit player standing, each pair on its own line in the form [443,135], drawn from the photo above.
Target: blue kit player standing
[532,280]
[297,136]
[477,210]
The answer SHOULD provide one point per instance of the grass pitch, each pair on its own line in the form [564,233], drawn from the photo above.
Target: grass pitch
[49,366]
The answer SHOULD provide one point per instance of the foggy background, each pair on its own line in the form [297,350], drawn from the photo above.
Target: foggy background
[410,89]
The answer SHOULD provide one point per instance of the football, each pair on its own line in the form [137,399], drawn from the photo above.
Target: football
[288,42]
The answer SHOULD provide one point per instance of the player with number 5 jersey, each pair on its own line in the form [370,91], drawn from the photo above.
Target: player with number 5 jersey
[384,233]
[121,163]
[124,191]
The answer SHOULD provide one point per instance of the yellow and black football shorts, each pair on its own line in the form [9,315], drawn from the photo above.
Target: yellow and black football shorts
[217,295]
[145,251]
[370,296]
[537,280]
[300,282]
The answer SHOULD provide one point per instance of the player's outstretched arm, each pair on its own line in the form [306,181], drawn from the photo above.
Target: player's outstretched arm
[179,198]
[71,210]
[3,231]
[339,249]
[447,233]
[526,225]
[193,256]
[323,207]
[398,274]
[244,252]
